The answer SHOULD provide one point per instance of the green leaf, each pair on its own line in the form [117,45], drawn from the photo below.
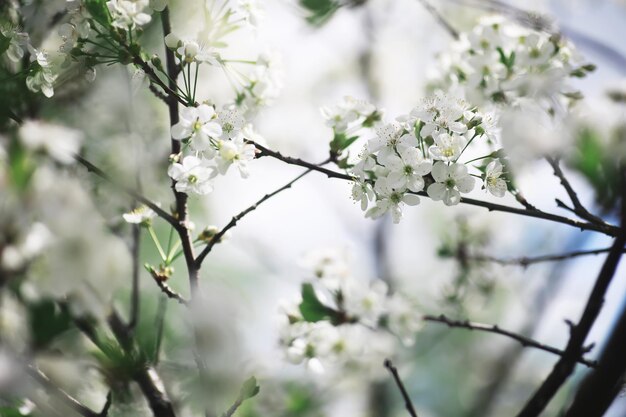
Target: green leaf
[311,307]
[99,11]
[320,11]
[21,166]
[47,321]
[340,142]
[249,389]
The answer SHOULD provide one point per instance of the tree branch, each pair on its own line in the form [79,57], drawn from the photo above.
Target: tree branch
[491,328]
[606,229]
[170,292]
[529,260]
[578,333]
[407,400]
[579,209]
[233,222]
[72,402]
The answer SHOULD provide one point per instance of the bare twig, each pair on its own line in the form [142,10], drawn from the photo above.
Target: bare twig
[72,402]
[135,296]
[159,323]
[158,210]
[579,209]
[170,292]
[440,19]
[233,222]
[578,333]
[529,260]
[407,400]
[491,328]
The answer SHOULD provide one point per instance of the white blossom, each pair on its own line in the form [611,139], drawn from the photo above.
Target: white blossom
[493,181]
[128,14]
[235,152]
[141,215]
[193,175]
[42,76]
[60,142]
[199,125]
[18,43]
[450,181]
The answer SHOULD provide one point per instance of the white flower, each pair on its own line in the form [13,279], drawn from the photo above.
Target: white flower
[364,193]
[251,11]
[140,215]
[403,319]
[18,41]
[191,51]
[447,147]
[235,152]
[42,77]
[329,265]
[493,183]
[232,122]
[390,200]
[60,142]
[158,5]
[367,304]
[344,113]
[199,124]
[406,170]
[451,180]
[127,14]
[192,176]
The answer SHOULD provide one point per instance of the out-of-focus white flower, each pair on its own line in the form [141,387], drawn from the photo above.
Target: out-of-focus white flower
[493,181]
[140,215]
[403,319]
[193,176]
[128,14]
[18,43]
[199,125]
[158,5]
[191,51]
[42,76]
[14,325]
[60,142]
[329,265]
[251,12]
[348,112]
[367,303]
[451,180]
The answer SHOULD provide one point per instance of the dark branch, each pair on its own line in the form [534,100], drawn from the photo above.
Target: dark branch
[233,222]
[579,209]
[407,400]
[158,210]
[602,228]
[72,402]
[170,292]
[578,333]
[529,260]
[491,328]
[135,296]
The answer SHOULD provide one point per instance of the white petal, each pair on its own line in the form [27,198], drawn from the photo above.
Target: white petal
[498,189]
[180,131]
[436,191]
[205,113]
[440,172]
[451,197]
[465,184]
[411,199]
[457,171]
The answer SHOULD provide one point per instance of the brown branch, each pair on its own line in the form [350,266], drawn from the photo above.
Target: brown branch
[579,209]
[135,296]
[606,229]
[233,222]
[146,377]
[578,333]
[407,400]
[158,210]
[529,260]
[170,292]
[70,401]
[492,328]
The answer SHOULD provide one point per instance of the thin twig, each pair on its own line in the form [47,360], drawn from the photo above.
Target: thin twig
[170,292]
[158,210]
[579,209]
[529,260]
[578,333]
[135,296]
[159,323]
[440,19]
[491,328]
[233,222]
[407,400]
[606,229]
[72,402]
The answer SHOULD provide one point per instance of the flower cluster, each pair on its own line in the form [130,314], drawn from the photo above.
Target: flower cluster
[342,322]
[129,14]
[420,151]
[217,141]
[500,61]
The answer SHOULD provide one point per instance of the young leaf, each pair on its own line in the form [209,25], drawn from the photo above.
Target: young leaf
[311,307]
